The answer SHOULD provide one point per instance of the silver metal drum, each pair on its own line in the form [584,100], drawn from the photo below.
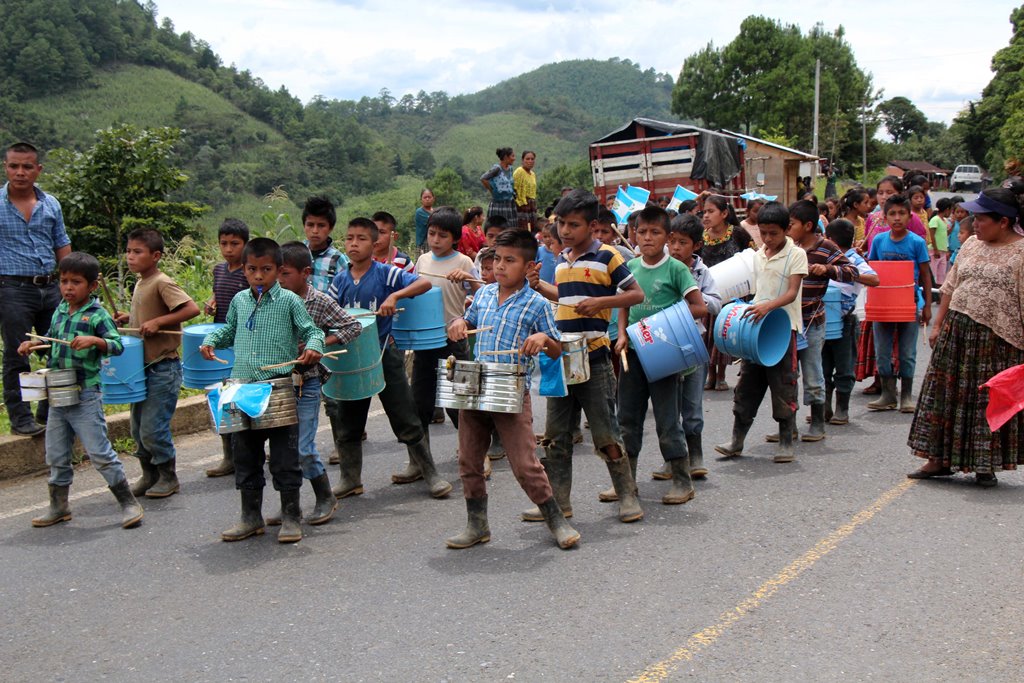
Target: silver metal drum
[281,410]
[575,358]
[502,387]
[33,385]
[232,420]
[64,397]
[466,378]
[61,378]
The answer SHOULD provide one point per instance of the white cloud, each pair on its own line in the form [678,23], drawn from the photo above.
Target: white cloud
[938,56]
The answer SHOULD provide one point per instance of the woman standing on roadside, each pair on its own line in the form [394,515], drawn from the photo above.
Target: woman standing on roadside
[422,214]
[524,183]
[498,181]
[978,333]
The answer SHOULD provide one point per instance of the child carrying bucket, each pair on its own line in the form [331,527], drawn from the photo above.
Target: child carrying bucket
[665,282]
[779,270]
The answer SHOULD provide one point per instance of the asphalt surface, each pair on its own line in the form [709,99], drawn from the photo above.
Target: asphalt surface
[834,567]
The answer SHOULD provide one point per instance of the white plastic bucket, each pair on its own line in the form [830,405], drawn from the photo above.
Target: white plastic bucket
[734,276]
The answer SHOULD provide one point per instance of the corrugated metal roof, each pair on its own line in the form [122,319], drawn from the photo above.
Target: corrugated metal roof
[806,155]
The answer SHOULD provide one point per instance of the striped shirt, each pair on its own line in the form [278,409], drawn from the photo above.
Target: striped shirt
[226,283]
[599,271]
[826,253]
[331,319]
[88,321]
[265,331]
[29,246]
[326,264]
[523,313]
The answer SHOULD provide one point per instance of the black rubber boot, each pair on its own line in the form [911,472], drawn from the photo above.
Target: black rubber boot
[326,502]
[560,477]
[410,474]
[227,464]
[785,451]
[350,457]
[251,523]
[58,510]
[664,474]
[621,473]
[695,447]
[477,530]
[291,514]
[887,400]
[682,485]
[828,404]
[167,483]
[907,403]
[150,475]
[739,435]
[419,454]
[841,416]
[610,495]
[564,534]
[817,429]
[131,511]
[43,412]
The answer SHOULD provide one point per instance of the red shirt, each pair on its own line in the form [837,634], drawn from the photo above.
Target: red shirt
[472,241]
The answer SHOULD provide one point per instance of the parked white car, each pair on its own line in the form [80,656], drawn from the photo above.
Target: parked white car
[966,177]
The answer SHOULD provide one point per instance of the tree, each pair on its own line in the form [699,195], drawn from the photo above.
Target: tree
[447,188]
[902,119]
[551,182]
[124,181]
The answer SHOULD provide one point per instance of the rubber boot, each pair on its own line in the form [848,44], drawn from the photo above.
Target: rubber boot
[43,412]
[564,534]
[610,495]
[887,400]
[227,463]
[907,402]
[817,430]
[251,523]
[774,438]
[167,484]
[496,451]
[131,511]
[664,474]
[326,503]
[682,485]
[560,477]
[410,474]
[785,451]
[624,484]
[477,530]
[150,475]
[419,453]
[351,467]
[695,447]
[58,510]
[842,414]
[291,514]
[828,405]
[739,435]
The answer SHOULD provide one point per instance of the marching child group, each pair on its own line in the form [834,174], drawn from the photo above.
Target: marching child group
[287,302]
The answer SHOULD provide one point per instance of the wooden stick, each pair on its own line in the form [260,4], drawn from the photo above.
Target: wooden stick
[332,354]
[391,248]
[38,347]
[49,339]
[110,298]
[625,363]
[219,360]
[367,315]
[500,353]
[468,279]
[480,329]
[139,329]
[278,365]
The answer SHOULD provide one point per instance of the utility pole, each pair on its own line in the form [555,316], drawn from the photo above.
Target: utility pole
[817,93]
[864,140]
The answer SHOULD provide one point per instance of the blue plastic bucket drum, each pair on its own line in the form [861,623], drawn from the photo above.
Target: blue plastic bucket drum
[123,377]
[421,325]
[668,342]
[197,372]
[833,313]
[763,342]
[357,374]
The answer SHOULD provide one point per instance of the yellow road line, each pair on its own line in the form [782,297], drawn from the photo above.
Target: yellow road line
[703,639]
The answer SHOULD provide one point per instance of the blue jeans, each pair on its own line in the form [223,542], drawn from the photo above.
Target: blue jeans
[907,347]
[87,422]
[691,400]
[151,419]
[810,365]
[635,392]
[26,307]
[307,405]
[596,397]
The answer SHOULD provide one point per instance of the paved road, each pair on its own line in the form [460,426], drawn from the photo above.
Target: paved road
[832,568]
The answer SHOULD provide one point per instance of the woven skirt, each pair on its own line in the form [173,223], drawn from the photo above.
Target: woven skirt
[866,366]
[949,425]
[506,210]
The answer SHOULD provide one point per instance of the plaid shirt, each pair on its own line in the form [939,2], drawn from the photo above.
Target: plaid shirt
[523,313]
[331,319]
[28,247]
[88,321]
[265,331]
[326,264]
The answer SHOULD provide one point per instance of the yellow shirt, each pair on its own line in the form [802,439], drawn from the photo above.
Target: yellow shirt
[771,276]
[858,229]
[524,184]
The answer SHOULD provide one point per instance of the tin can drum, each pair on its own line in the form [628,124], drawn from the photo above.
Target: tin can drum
[575,358]
[502,386]
[280,411]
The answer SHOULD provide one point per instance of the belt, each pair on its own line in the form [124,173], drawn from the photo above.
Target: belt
[37,280]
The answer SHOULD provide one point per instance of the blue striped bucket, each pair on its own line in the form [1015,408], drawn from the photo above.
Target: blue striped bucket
[668,342]
[197,372]
[763,342]
[123,378]
[833,313]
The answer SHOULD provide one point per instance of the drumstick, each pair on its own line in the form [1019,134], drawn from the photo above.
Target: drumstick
[366,315]
[625,363]
[297,361]
[468,279]
[110,298]
[391,247]
[139,329]
[332,354]
[500,353]
[480,329]
[38,347]
[49,339]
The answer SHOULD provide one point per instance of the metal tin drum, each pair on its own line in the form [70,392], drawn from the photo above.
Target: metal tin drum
[502,387]
[33,385]
[280,411]
[575,358]
[466,377]
[60,378]
[62,387]
[231,420]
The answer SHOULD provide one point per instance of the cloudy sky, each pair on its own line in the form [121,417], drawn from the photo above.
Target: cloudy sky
[936,53]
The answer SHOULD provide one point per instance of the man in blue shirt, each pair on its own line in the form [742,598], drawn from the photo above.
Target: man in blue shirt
[32,241]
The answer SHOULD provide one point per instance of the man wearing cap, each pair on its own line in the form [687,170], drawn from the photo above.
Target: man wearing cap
[32,241]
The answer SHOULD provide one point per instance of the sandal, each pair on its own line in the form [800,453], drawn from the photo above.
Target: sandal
[986,479]
[928,474]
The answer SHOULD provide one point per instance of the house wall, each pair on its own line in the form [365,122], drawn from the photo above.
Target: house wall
[780,169]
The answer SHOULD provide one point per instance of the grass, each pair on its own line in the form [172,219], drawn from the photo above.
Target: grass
[476,141]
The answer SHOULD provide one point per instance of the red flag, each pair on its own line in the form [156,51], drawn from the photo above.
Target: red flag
[1005,396]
